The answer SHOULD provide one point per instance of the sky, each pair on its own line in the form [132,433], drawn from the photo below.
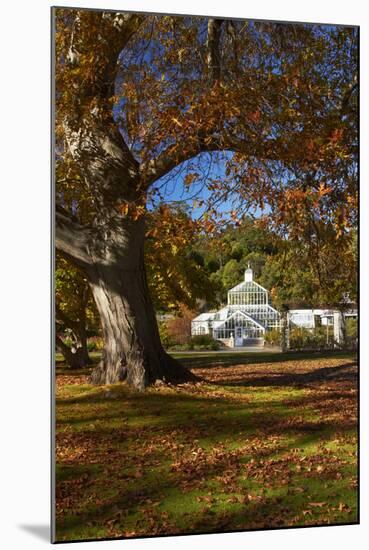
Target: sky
[210,167]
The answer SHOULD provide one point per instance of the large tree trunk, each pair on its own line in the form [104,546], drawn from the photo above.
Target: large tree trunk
[132,347]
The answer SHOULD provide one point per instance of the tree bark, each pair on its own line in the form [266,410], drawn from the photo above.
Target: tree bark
[132,349]
[213,49]
[339,328]
[285,331]
[113,262]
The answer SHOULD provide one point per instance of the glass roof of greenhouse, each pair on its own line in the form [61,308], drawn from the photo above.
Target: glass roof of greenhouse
[249,286]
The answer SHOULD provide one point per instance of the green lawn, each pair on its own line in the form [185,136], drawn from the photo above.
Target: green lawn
[264,440]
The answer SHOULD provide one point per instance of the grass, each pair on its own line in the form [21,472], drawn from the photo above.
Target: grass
[262,441]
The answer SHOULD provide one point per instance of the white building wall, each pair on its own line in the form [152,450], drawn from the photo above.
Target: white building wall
[307,317]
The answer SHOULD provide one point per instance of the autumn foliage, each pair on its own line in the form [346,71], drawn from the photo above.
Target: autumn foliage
[233,118]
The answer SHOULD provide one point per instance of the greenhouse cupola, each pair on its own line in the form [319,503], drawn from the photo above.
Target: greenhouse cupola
[248,274]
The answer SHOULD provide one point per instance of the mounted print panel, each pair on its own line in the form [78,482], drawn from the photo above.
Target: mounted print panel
[206,314]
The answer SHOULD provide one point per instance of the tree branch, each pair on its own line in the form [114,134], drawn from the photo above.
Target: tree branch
[91,134]
[116,29]
[71,239]
[347,97]
[175,155]
[213,49]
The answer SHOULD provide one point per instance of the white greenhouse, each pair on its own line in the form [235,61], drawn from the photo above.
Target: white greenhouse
[244,320]
[311,318]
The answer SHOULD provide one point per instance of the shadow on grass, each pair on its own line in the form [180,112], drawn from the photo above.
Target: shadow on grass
[67,371]
[128,498]
[196,420]
[218,414]
[272,512]
[213,419]
[346,372]
[228,359]
[223,359]
[281,507]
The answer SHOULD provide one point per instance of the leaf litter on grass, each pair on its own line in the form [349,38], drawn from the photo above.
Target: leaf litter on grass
[250,446]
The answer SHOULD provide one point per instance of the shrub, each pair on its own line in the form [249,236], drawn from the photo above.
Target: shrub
[202,340]
[166,339]
[205,342]
[180,347]
[214,345]
[96,343]
[273,337]
[351,333]
[68,341]
[351,328]
[178,329]
[304,338]
[299,337]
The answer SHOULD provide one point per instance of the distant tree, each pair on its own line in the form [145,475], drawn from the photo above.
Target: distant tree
[75,313]
[212,265]
[298,273]
[322,275]
[175,273]
[232,274]
[179,328]
[237,252]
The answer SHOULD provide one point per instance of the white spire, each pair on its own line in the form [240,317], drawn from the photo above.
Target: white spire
[248,274]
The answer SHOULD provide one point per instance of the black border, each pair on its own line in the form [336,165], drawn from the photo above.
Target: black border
[52,283]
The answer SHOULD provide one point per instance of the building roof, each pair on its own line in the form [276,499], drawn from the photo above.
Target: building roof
[234,312]
[222,314]
[247,286]
[205,316]
[322,312]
